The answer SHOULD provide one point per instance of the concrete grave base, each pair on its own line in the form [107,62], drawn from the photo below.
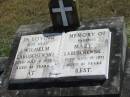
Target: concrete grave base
[109,88]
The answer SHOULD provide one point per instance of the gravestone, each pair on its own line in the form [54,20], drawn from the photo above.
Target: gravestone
[52,57]
[64,14]
[88,61]
[109,87]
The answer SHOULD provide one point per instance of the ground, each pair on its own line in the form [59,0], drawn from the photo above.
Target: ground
[14,13]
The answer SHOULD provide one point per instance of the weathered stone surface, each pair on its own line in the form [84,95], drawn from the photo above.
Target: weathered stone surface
[126,82]
[2,64]
[3,61]
[31,29]
[110,88]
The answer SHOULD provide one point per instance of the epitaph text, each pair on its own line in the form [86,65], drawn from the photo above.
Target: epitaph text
[77,53]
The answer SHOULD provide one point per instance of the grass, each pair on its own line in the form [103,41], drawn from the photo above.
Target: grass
[14,13]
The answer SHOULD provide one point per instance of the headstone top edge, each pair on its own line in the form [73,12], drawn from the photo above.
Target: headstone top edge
[110,22]
[120,18]
[30,29]
[3,58]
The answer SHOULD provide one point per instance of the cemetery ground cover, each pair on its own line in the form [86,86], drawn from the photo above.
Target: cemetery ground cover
[14,13]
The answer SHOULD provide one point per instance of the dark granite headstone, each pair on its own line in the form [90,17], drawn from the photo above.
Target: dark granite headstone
[64,14]
[108,88]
